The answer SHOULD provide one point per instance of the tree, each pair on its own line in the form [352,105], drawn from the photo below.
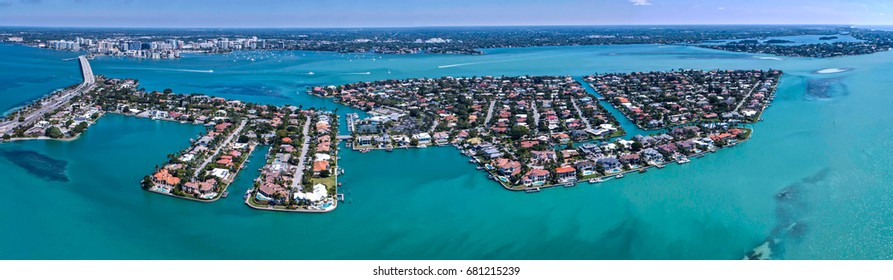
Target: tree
[636,146]
[79,128]
[6,137]
[53,132]
[324,173]
[168,91]
[518,131]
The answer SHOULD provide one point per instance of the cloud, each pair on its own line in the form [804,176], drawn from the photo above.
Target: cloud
[640,2]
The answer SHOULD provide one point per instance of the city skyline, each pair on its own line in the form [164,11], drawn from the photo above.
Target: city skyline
[411,13]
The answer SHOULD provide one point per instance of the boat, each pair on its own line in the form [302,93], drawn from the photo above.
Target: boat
[489,176]
[596,180]
[423,146]
[479,168]
[619,176]
[389,149]
[569,184]
[471,161]
[643,170]
[659,165]
[683,160]
[532,190]
[225,194]
[247,194]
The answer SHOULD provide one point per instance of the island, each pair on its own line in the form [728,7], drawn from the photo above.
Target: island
[534,135]
[527,132]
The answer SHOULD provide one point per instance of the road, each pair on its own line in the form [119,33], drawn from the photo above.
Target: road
[755,86]
[580,113]
[7,127]
[489,113]
[222,144]
[536,116]
[302,161]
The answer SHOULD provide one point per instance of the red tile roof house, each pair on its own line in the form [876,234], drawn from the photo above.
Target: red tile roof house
[529,144]
[268,191]
[535,177]
[319,166]
[205,187]
[566,174]
[508,167]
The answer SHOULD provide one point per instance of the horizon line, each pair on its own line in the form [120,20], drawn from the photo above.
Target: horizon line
[456,26]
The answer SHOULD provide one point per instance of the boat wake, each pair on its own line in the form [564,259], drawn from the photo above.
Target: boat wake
[458,64]
[833,70]
[768,58]
[357,73]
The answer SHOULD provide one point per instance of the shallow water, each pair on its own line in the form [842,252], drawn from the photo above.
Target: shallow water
[431,203]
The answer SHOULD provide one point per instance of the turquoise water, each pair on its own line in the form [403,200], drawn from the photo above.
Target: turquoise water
[825,147]
[30,73]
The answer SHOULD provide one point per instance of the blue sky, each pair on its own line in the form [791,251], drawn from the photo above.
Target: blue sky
[400,13]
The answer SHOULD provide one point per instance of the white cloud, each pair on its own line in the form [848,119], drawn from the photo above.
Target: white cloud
[640,2]
[721,8]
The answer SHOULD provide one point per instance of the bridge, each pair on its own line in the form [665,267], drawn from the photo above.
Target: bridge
[7,127]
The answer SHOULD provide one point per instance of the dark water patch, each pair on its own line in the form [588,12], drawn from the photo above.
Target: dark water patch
[38,164]
[9,83]
[791,209]
[826,88]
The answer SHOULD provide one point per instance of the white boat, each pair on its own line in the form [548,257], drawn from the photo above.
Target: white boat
[596,180]
[532,190]
[619,176]
[423,146]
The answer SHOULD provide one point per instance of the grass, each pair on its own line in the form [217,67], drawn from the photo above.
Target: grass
[328,182]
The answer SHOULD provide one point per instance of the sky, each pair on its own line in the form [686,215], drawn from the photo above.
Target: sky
[411,13]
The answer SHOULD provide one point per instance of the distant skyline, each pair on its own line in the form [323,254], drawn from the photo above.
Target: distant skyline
[415,13]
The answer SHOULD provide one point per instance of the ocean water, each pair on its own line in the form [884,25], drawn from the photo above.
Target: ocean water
[30,73]
[819,160]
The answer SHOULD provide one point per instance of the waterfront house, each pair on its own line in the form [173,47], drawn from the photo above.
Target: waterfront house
[609,163]
[163,177]
[586,167]
[508,167]
[535,177]
[365,141]
[631,159]
[272,192]
[651,155]
[220,173]
[441,138]
[424,138]
[566,174]
[319,167]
